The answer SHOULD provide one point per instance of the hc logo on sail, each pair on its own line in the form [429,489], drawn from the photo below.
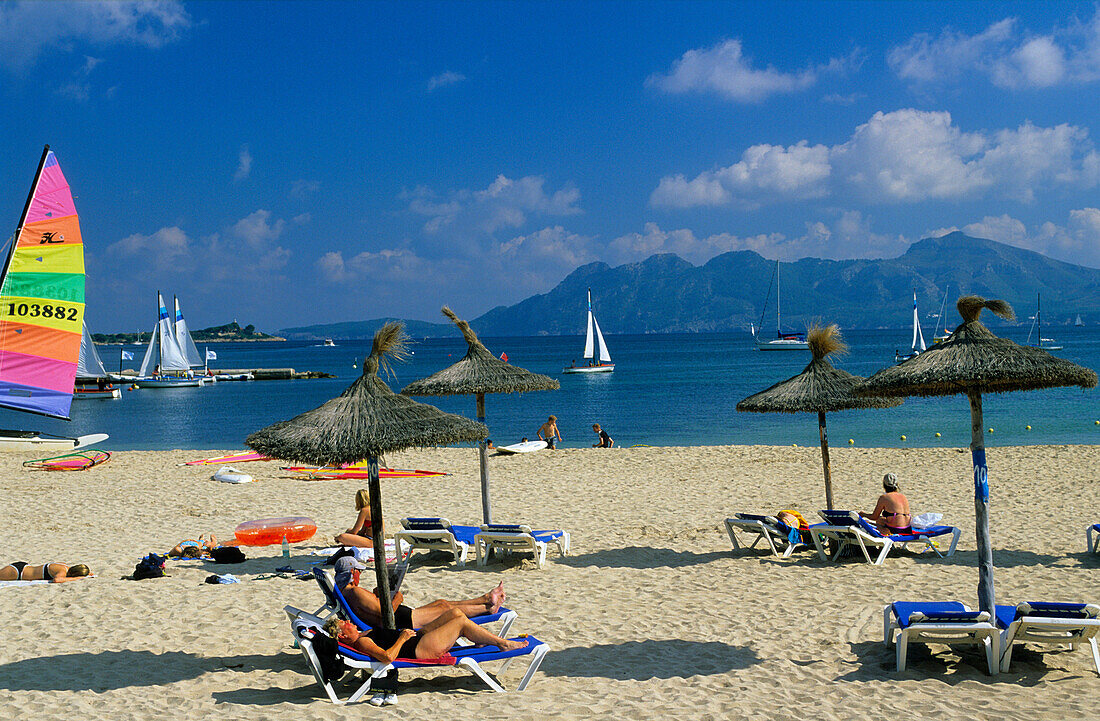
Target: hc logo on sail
[49,238]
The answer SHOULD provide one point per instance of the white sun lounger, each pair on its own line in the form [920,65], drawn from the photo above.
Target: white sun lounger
[508,537]
[947,622]
[436,534]
[1048,624]
[768,528]
[469,657]
[849,528]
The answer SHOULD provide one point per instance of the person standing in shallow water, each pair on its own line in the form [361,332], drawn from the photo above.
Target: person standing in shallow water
[605,441]
[548,430]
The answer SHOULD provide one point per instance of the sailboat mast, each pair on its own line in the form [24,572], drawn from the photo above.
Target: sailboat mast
[778,327]
[1039,317]
[23,217]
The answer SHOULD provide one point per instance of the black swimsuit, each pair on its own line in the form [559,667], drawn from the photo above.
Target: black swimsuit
[19,566]
[385,638]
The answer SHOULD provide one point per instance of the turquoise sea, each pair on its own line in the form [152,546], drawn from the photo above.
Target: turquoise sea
[667,390]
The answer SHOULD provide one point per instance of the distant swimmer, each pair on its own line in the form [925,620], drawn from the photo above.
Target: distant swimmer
[548,431]
[606,441]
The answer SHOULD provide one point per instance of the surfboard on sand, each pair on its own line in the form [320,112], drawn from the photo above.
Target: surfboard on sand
[526,447]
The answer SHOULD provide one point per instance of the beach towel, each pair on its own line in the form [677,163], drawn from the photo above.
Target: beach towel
[363,555]
[13,584]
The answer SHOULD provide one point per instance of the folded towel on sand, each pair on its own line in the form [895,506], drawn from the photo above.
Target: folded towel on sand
[9,584]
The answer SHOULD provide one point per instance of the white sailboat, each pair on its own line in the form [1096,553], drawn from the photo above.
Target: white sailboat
[593,339]
[918,337]
[782,341]
[1078,322]
[91,376]
[164,365]
[1037,329]
[184,340]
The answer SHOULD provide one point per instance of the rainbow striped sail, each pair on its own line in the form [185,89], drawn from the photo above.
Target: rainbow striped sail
[42,299]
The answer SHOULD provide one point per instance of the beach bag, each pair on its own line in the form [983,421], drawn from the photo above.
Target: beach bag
[227,554]
[152,566]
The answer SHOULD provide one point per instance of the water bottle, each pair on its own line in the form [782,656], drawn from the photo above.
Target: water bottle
[286,548]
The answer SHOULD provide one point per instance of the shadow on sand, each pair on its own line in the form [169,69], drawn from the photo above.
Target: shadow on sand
[640,557]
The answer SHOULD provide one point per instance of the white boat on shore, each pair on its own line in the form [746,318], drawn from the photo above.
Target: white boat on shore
[45,442]
[597,363]
[793,340]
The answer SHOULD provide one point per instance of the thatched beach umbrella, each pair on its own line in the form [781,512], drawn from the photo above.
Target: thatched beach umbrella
[819,388]
[974,361]
[478,373]
[366,421]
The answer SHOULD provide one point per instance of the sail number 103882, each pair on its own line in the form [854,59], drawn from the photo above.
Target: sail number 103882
[36,310]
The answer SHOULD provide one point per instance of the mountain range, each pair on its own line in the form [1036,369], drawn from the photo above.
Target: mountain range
[667,294]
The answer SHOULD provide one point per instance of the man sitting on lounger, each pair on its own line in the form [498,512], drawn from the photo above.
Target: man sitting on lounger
[368,607]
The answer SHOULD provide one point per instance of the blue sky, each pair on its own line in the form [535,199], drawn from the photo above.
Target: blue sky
[285,163]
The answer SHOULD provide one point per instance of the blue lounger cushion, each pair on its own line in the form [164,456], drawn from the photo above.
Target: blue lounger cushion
[477,653]
[849,518]
[910,612]
[544,536]
[1006,615]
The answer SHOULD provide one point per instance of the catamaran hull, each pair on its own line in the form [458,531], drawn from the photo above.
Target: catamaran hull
[97,394]
[32,441]
[783,345]
[589,369]
[168,382]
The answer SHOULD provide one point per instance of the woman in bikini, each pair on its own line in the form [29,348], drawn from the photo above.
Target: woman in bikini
[192,548]
[431,641]
[362,533]
[52,572]
[891,514]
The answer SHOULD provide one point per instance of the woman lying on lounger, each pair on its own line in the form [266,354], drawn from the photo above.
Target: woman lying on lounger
[431,641]
[192,548]
[891,514]
[53,572]
[362,533]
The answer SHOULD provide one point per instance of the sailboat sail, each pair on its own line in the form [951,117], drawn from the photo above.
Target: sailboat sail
[163,350]
[588,338]
[605,357]
[183,338]
[90,365]
[42,299]
[918,336]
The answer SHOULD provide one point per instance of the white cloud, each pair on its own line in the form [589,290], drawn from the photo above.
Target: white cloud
[473,215]
[1009,57]
[725,71]
[904,156]
[166,247]
[30,29]
[302,188]
[1077,241]
[443,79]
[244,164]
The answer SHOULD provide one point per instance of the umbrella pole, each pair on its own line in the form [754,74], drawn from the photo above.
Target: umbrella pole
[381,572]
[483,455]
[981,504]
[825,459]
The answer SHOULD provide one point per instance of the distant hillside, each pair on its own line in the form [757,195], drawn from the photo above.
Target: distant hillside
[666,294]
[215,334]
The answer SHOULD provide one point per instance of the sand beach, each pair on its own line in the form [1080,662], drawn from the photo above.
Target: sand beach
[652,614]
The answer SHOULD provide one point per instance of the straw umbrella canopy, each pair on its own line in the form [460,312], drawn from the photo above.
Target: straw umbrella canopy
[820,388]
[974,361]
[478,373]
[366,421]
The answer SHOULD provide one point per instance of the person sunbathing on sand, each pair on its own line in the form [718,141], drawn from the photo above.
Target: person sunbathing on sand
[368,607]
[431,641]
[193,548]
[360,534]
[53,572]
